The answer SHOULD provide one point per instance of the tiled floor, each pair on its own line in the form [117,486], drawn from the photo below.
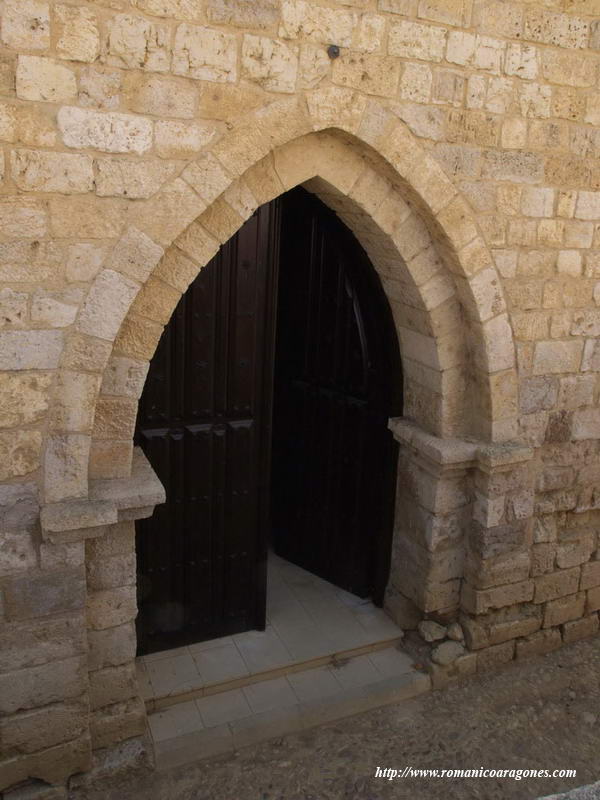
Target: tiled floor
[250,705]
[307,618]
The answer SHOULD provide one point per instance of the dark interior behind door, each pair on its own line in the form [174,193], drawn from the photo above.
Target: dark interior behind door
[337,382]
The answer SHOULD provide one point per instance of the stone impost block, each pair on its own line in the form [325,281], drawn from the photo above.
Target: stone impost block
[140,490]
[75,515]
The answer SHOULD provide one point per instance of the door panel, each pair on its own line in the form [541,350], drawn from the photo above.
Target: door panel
[204,423]
[337,382]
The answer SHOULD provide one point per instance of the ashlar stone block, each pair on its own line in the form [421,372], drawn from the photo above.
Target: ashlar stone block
[44,80]
[78,34]
[269,63]
[111,133]
[205,54]
[26,24]
[137,43]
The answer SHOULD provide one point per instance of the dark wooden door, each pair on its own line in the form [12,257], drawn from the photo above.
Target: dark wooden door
[337,382]
[204,423]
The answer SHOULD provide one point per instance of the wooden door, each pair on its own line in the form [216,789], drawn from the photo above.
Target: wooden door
[204,423]
[337,382]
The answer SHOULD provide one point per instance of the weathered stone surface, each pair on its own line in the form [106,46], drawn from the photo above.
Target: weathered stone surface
[65,464]
[84,261]
[44,79]
[455,632]
[137,43]
[20,453]
[243,13]
[447,652]
[132,179]
[564,609]
[27,644]
[431,631]
[269,63]
[538,643]
[300,19]
[124,377]
[110,132]
[161,97]
[112,646]
[99,88]
[205,54]
[38,686]
[23,398]
[19,506]
[181,139]
[36,171]
[112,685]
[78,34]
[106,304]
[112,607]
[38,595]
[557,584]
[26,24]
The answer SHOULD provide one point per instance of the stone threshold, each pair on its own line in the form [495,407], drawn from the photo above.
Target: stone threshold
[213,740]
[331,659]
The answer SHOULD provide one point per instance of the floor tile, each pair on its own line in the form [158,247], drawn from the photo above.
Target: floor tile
[376,623]
[270,695]
[220,663]
[218,709]
[314,684]
[358,671]
[305,642]
[391,662]
[175,721]
[262,650]
[173,675]
[175,651]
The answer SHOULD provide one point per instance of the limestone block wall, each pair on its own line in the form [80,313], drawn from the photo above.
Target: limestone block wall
[458,139]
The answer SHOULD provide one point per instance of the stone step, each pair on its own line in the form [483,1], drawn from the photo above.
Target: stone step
[156,702]
[225,722]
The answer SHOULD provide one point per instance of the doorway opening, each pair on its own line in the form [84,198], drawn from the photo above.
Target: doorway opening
[265,416]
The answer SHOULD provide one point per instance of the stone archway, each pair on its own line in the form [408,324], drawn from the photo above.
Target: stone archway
[455,342]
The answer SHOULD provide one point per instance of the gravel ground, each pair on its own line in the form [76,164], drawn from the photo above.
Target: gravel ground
[542,714]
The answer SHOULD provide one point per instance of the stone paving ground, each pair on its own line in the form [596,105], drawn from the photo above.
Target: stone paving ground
[541,714]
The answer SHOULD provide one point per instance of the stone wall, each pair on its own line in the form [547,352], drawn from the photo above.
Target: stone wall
[459,140]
